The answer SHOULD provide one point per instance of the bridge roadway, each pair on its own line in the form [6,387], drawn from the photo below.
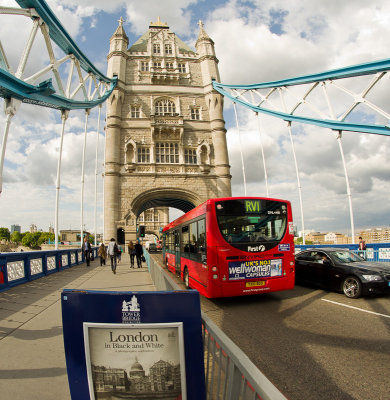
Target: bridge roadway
[32,360]
[309,343]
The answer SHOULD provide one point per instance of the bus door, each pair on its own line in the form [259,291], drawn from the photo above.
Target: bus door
[177,252]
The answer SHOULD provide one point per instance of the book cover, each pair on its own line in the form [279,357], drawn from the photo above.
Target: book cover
[133,345]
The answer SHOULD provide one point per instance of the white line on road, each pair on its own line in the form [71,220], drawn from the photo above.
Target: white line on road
[355,308]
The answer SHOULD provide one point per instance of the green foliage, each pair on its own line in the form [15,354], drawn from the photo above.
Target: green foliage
[34,240]
[91,239]
[16,237]
[45,237]
[31,239]
[4,233]
[300,241]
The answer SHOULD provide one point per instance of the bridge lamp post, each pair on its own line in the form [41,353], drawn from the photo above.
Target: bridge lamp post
[242,156]
[96,170]
[87,112]
[64,117]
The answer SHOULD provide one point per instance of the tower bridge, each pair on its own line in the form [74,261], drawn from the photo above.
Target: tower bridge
[166,147]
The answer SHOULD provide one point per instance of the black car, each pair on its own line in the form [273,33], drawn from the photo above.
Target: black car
[341,270]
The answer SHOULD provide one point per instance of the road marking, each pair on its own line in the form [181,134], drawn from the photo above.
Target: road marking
[356,308]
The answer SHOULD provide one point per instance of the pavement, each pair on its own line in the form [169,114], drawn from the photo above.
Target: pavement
[32,358]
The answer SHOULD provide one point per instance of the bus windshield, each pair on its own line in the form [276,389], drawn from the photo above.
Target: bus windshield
[252,224]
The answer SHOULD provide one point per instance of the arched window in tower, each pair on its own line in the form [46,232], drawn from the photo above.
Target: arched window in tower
[165,107]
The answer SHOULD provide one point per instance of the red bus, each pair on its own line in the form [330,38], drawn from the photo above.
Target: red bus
[233,246]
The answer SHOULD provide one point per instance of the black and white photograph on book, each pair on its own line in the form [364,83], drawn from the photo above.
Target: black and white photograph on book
[135,361]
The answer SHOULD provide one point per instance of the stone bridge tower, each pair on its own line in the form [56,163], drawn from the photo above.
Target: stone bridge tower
[165,133]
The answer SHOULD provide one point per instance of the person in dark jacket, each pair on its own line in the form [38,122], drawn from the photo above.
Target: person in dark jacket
[132,253]
[139,251]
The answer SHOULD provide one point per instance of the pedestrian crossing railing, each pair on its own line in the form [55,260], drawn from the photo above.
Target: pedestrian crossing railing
[375,252]
[21,267]
[229,373]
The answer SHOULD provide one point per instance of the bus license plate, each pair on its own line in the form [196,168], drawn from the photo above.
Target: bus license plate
[256,283]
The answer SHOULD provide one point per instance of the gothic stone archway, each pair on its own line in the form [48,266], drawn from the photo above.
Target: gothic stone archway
[160,199]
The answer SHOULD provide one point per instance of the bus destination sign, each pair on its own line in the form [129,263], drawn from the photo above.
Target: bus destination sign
[252,206]
[254,269]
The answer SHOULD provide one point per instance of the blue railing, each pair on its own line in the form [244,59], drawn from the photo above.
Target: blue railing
[379,252]
[22,267]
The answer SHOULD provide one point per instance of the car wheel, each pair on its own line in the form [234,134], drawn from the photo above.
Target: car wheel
[186,278]
[352,287]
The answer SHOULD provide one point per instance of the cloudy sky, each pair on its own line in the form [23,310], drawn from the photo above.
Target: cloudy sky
[256,41]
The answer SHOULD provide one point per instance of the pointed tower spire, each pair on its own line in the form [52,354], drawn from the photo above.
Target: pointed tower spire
[118,49]
[120,32]
[204,44]
[202,32]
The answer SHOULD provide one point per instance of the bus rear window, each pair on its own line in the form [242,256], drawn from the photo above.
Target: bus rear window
[252,224]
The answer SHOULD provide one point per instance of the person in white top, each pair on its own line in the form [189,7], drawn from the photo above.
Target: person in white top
[112,251]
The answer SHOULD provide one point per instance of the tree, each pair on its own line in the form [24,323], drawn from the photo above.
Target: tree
[31,239]
[4,233]
[45,237]
[300,241]
[16,237]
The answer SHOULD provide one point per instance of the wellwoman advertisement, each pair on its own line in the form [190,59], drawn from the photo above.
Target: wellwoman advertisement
[135,361]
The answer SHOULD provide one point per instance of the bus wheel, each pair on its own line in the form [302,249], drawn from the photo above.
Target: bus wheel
[186,278]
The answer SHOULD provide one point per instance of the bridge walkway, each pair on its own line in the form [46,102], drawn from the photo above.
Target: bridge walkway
[32,362]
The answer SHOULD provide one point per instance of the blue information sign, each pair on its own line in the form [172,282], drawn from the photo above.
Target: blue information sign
[284,247]
[131,345]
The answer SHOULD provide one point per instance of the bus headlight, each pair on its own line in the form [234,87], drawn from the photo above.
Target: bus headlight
[214,269]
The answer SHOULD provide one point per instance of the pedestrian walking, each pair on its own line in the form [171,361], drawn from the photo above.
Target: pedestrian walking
[102,254]
[86,248]
[362,247]
[119,255]
[132,253]
[113,253]
[139,251]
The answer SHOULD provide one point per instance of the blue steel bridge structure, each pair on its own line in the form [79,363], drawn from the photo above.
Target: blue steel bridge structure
[69,81]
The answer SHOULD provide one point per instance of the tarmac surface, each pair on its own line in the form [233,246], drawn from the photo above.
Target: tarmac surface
[32,358]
